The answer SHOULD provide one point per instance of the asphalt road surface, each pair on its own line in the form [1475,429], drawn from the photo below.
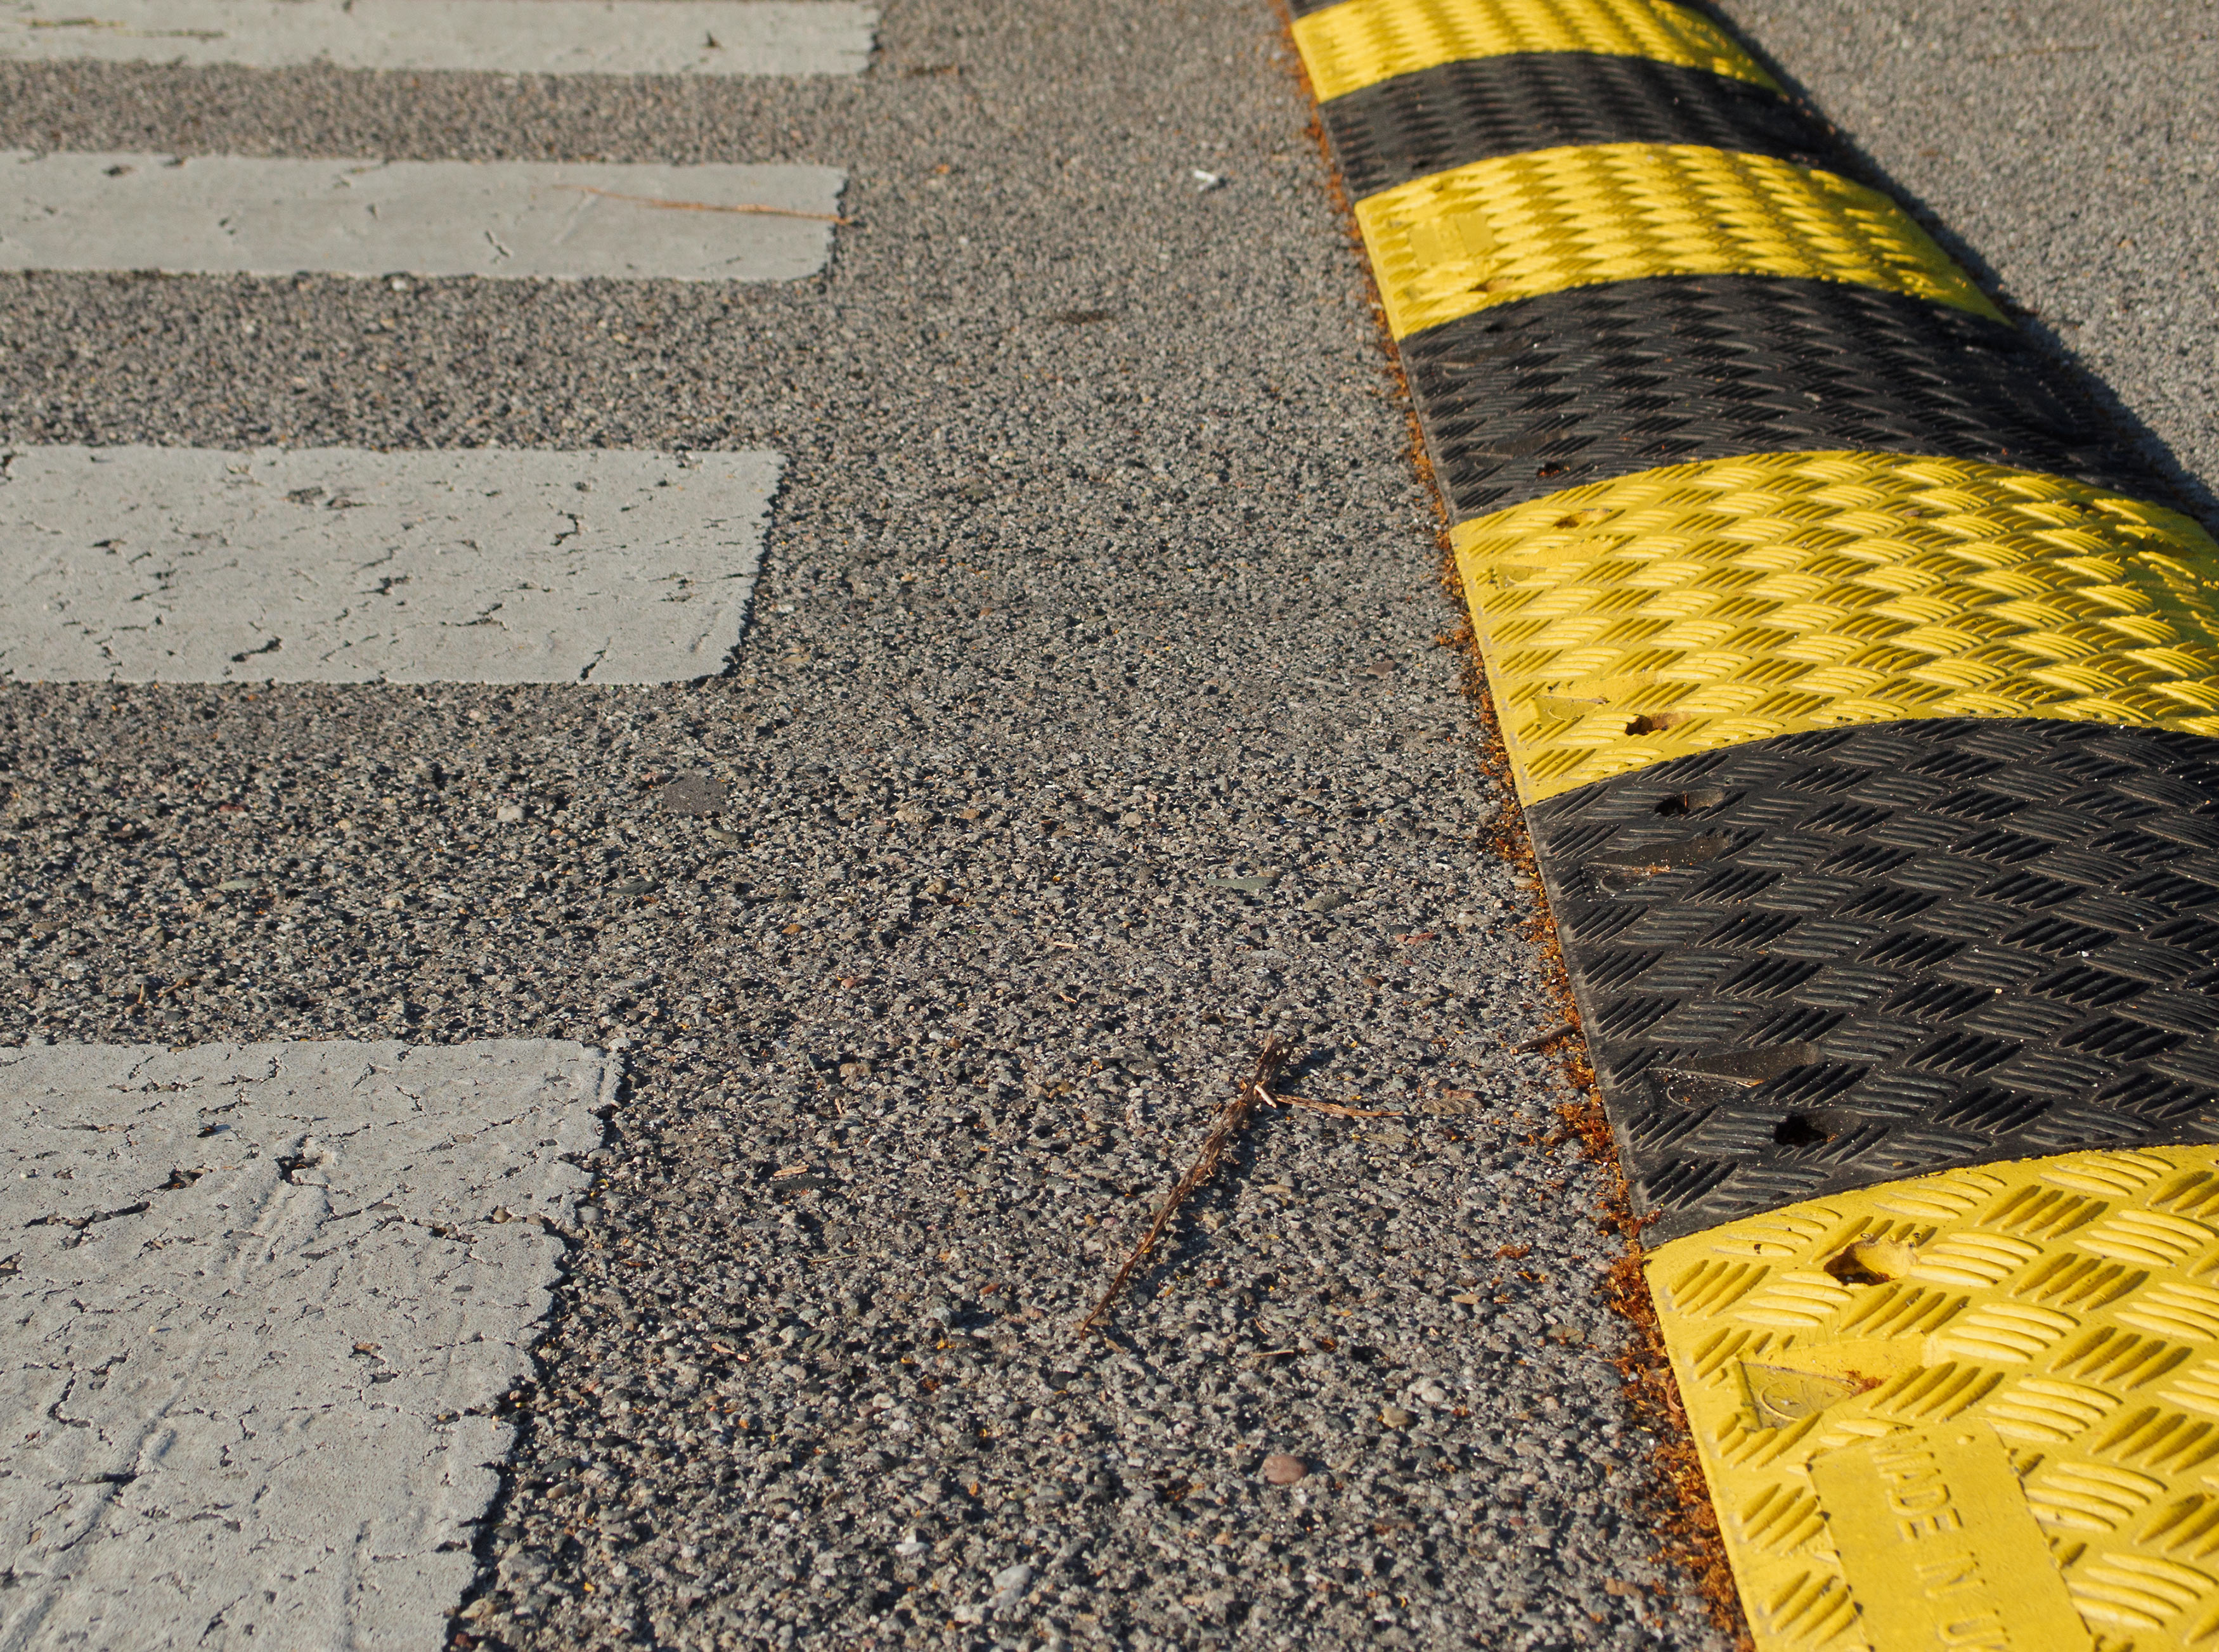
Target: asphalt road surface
[1096,717]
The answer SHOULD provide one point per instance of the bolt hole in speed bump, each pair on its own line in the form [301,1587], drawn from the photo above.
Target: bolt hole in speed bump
[1861,682]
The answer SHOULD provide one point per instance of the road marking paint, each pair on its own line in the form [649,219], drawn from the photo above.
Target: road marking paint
[1496,231]
[1714,604]
[1845,1360]
[146,564]
[1360,43]
[229,214]
[264,1302]
[666,37]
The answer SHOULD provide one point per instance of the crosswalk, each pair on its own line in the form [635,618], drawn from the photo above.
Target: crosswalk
[383,1213]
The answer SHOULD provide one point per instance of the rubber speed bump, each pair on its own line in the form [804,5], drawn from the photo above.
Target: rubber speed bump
[1531,399]
[1814,964]
[1680,610]
[1862,686]
[1975,1409]
[1394,131]
[1496,231]
[1359,43]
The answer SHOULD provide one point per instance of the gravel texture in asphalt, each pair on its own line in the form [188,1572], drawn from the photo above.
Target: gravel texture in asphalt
[1092,723]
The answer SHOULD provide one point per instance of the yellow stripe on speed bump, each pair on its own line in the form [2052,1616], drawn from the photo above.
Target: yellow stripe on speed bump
[1986,1398]
[1359,43]
[1499,230]
[1708,605]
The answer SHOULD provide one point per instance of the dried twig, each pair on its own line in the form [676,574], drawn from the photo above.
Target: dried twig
[1543,1041]
[1232,1119]
[705,206]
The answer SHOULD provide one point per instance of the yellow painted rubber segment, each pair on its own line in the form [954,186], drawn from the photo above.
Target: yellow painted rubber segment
[1496,231]
[1359,43]
[1858,1372]
[1709,605]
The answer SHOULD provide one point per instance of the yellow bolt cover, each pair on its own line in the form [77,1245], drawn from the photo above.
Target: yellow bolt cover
[1359,43]
[1709,605]
[2007,1434]
[1459,242]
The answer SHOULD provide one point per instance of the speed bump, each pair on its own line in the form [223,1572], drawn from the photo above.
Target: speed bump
[1496,231]
[1975,1409]
[1861,683]
[1359,43]
[1717,603]
[1412,126]
[1816,963]
[1596,382]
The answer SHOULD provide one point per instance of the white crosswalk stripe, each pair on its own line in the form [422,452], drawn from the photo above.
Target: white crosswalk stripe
[249,215]
[702,37]
[150,564]
[264,1301]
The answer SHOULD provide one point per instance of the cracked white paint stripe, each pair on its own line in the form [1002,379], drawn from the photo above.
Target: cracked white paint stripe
[488,565]
[232,214]
[264,1302]
[666,37]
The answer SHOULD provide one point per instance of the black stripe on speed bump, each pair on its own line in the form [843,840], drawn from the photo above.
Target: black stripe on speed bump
[1531,398]
[1451,114]
[1830,960]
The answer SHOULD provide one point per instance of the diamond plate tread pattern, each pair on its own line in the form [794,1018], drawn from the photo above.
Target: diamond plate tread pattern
[1705,605]
[2061,1312]
[1839,959]
[1555,391]
[1359,43]
[1473,110]
[1496,231]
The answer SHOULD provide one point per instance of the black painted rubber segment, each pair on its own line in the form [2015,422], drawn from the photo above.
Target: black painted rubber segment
[1454,114]
[1835,959]
[1533,397]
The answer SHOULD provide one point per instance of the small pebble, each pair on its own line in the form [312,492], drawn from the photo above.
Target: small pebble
[1281,1469]
[693,794]
[1395,1416]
